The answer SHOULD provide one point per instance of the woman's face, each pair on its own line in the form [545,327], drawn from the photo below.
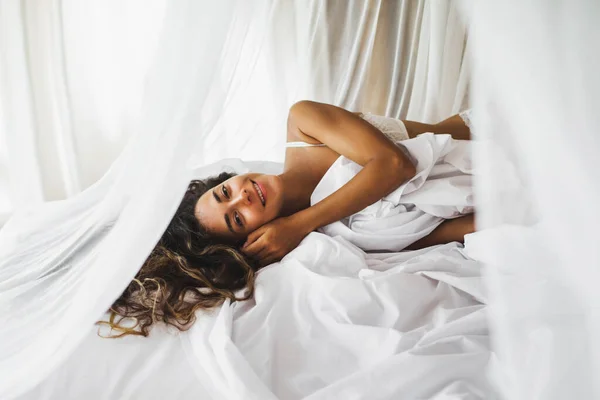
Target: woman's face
[240,205]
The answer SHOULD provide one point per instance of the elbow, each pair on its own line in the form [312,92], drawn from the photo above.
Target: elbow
[301,107]
[301,104]
[405,166]
[409,170]
[301,112]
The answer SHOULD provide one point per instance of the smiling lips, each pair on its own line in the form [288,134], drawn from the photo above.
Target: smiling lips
[260,193]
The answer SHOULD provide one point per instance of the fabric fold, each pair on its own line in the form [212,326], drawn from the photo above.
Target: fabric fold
[441,189]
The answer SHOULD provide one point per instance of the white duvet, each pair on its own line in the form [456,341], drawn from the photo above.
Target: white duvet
[331,322]
[327,322]
[441,189]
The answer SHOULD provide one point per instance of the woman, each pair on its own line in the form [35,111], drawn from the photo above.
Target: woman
[226,227]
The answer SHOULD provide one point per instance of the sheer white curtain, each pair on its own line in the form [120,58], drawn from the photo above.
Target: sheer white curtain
[54,256]
[219,85]
[73,74]
[399,58]
[71,91]
[536,97]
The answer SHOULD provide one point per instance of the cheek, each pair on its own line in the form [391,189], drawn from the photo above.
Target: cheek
[255,219]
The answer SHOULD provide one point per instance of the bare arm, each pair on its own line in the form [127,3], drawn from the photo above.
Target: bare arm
[385,166]
[455,126]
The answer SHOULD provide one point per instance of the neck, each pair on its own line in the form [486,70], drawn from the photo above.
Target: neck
[297,189]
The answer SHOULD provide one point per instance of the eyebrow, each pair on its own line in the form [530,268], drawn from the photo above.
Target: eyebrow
[227,220]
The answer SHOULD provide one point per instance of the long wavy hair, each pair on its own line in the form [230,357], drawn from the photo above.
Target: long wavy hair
[187,270]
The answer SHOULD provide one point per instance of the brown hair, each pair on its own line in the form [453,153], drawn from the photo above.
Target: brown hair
[187,270]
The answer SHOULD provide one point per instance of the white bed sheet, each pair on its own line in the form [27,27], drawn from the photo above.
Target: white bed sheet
[442,188]
[330,321]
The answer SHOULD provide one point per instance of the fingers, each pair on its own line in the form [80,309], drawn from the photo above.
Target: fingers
[255,235]
[259,249]
[258,245]
[251,239]
[253,249]
[262,252]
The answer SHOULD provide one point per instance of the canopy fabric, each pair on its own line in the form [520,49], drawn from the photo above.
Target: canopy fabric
[536,92]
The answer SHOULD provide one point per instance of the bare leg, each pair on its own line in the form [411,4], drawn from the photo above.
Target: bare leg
[455,126]
[451,230]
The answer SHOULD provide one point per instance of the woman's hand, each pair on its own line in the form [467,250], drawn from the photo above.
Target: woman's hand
[272,241]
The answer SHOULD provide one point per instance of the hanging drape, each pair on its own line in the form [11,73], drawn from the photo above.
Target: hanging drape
[219,81]
[54,256]
[72,76]
[536,95]
[73,73]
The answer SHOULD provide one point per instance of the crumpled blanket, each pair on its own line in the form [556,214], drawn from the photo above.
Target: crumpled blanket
[333,322]
[441,189]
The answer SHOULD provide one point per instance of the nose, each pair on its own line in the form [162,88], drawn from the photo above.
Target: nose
[244,197]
